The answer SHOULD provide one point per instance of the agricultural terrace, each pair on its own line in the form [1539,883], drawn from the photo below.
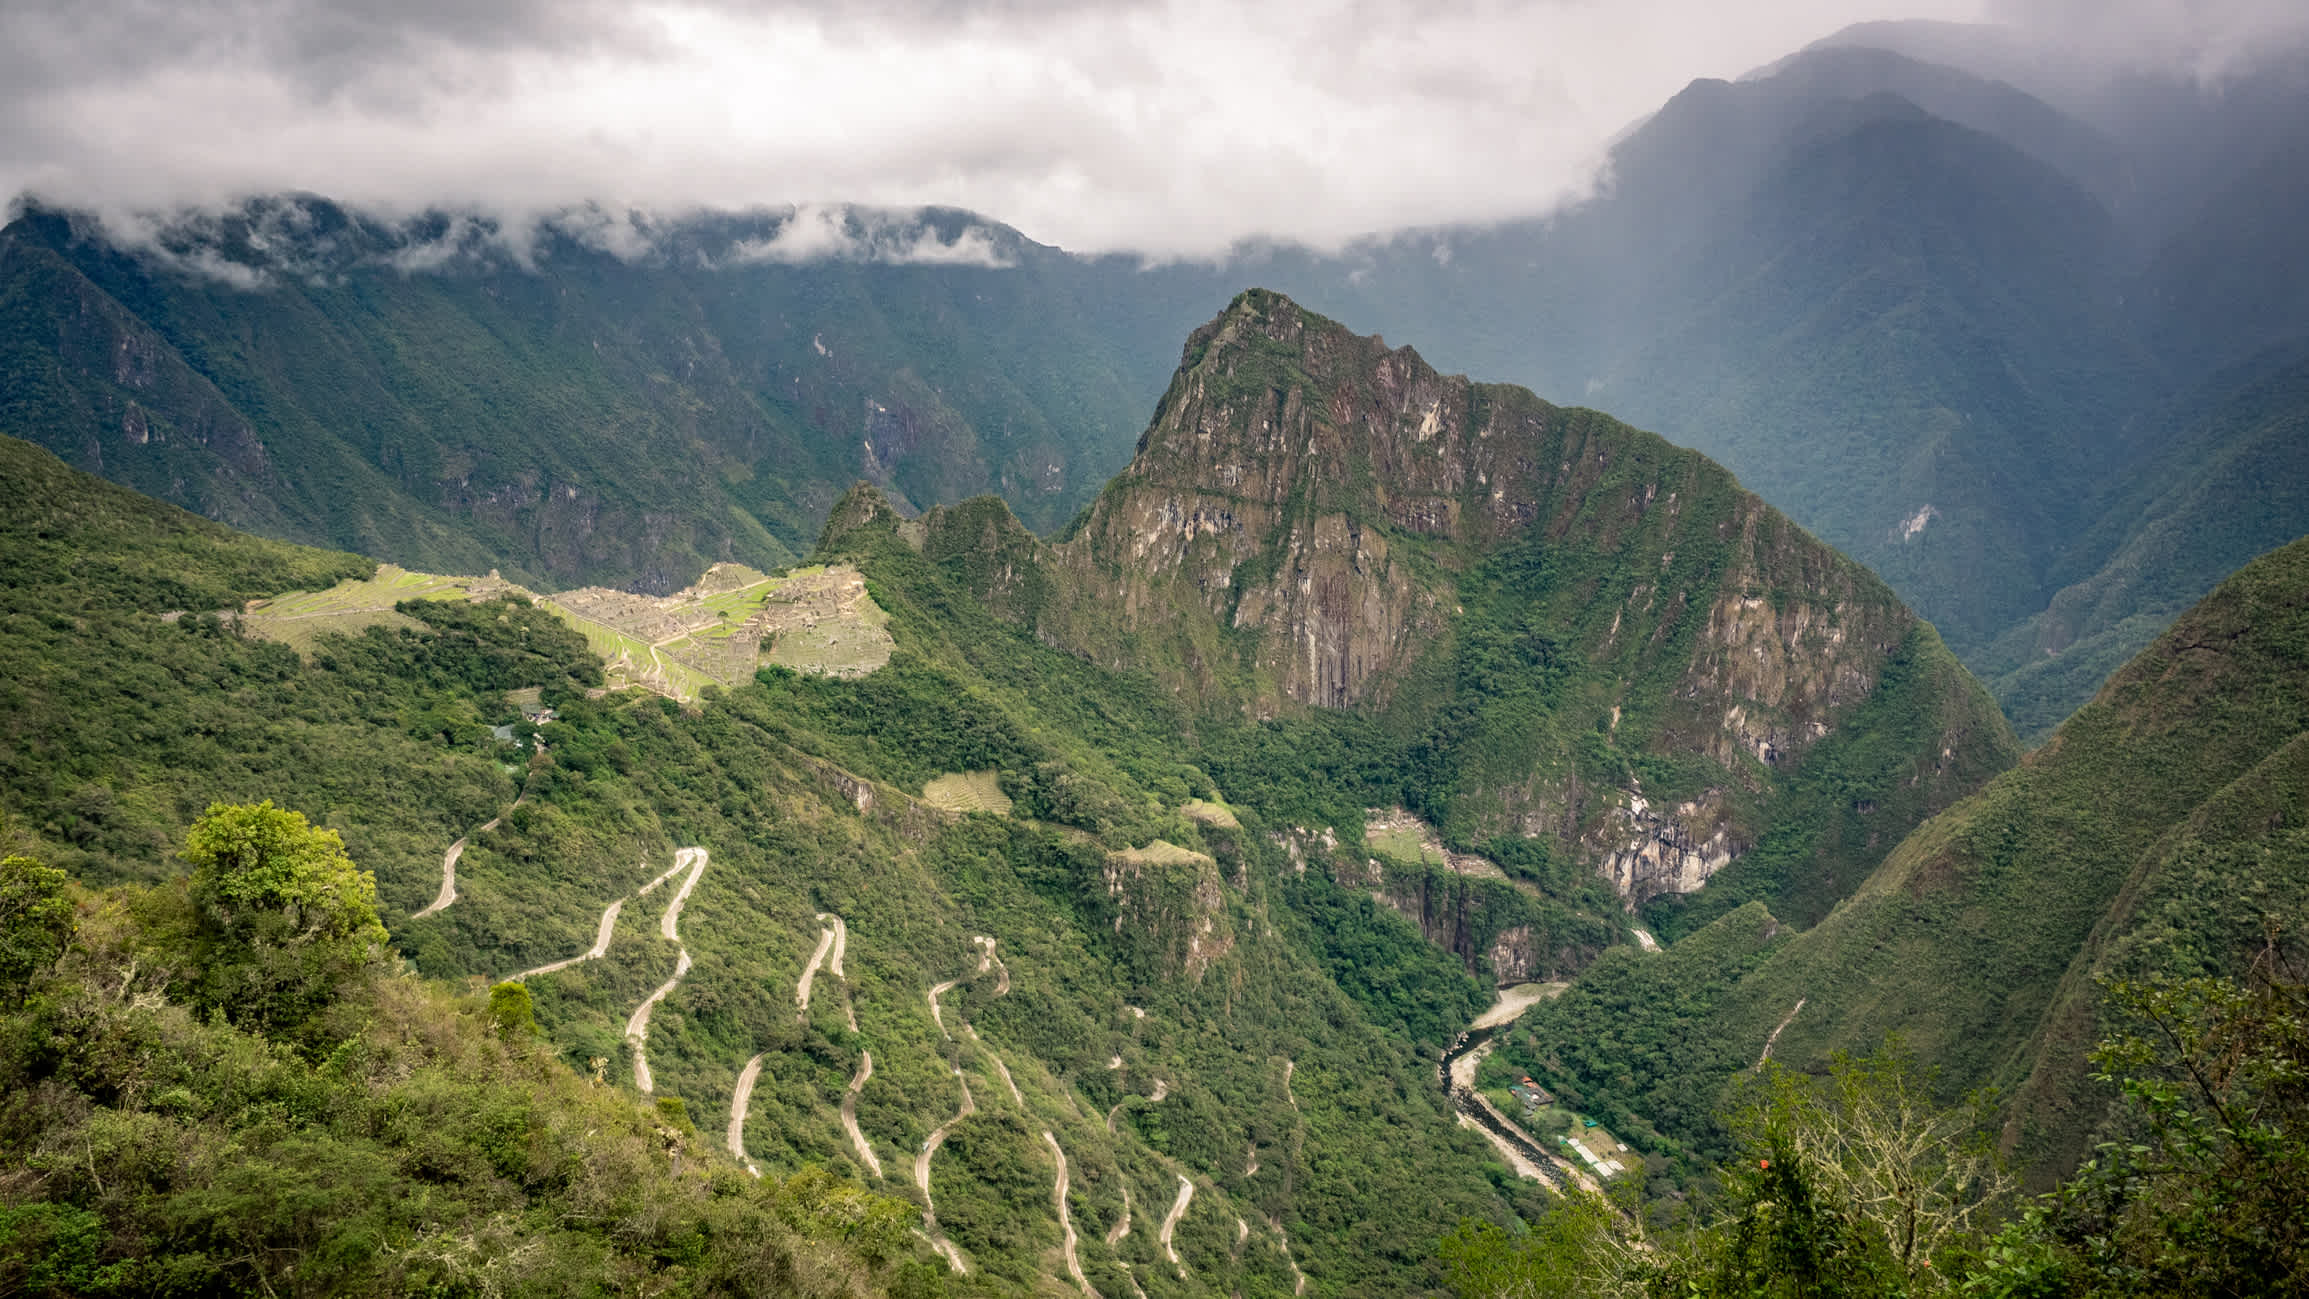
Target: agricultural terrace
[718,632]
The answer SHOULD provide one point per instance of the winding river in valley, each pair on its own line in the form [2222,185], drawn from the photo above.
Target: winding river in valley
[1456,1073]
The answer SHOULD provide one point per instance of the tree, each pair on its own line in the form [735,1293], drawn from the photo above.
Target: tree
[1851,1185]
[2203,1193]
[286,915]
[1581,1246]
[35,923]
[1880,1148]
[512,1012]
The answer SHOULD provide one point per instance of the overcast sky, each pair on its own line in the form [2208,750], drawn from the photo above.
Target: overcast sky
[1173,127]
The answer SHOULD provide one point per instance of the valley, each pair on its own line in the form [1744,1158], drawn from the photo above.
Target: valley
[954,767]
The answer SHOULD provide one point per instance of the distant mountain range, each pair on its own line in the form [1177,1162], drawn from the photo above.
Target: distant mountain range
[2017,339]
[1149,865]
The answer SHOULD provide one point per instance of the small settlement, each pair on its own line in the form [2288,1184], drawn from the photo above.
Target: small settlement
[1604,1154]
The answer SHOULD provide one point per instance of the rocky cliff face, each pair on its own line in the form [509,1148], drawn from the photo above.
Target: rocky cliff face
[1600,638]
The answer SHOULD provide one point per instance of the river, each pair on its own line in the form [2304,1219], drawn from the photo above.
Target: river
[1456,1071]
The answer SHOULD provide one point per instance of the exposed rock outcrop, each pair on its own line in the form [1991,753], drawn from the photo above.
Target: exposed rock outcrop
[1314,519]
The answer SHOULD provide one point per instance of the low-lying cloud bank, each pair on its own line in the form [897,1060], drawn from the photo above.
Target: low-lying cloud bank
[1166,128]
[257,243]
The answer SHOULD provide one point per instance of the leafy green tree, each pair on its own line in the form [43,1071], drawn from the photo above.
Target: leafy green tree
[285,914]
[511,1010]
[1579,1247]
[1851,1185]
[1787,1234]
[2205,1193]
[35,922]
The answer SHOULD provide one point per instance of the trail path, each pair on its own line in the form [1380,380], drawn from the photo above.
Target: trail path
[1298,1278]
[600,948]
[670,872]
[841,943]
[986,957]
[448,893]
[946,1247]
[996,1059]
[937,1016]
[1121,1227]
[739,1100]
[930,1146]
[850,1114]
[834,964]
[937,1137]
[1171,1222]
[810,971]
[1162,1088]
[637,1027]
[1785,1021]
[609,914]
[1066,1219]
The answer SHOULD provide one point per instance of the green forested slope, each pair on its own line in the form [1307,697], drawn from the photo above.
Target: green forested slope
[1294,1094]
[2152,834]
[411,1140]
[454,399]
[2230,480]
[1574,644]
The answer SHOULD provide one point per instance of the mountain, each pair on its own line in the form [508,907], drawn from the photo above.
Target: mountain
[578,403]
[2225,481]
[1064,920]
[2156,834]
[1884,293]
[1945,303]
[849,947]
[1573,633]
[1952,326]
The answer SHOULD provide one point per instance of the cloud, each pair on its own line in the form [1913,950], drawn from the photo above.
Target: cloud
[2204,40]
[817,233]
[1172,128]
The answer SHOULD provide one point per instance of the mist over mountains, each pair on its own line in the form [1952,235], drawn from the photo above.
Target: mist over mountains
[840,749]
[1953,323]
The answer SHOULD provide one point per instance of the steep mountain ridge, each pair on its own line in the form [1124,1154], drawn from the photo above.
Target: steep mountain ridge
[1950,326]
[2157,833]
[1579,633]
[456,397]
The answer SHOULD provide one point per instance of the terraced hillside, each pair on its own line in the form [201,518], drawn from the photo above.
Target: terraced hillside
[717,632]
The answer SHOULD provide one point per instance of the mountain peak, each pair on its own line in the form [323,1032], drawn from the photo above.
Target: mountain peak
[1315,519]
